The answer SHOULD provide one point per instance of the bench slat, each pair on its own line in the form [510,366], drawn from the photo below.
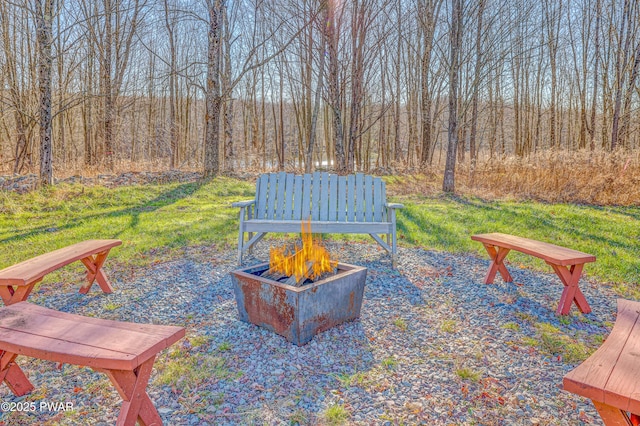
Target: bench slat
[333,197]
[306,196]
[377,197]
[545,251]
[262,193]
[351,198]
[342,199]
[368,198]
[280,197]
[359,197]
[71,339]
[288,191]
[35,268]
[610,374]
[324,196]
[271,198]
[315,197]
[297,198]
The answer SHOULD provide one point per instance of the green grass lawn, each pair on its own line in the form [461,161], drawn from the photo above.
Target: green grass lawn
[156,221]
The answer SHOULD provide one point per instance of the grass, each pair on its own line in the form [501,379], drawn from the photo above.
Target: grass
[468,374]
[511,326]
[449,326]
[156,222]
[191,371]
[336,414]
[400,323]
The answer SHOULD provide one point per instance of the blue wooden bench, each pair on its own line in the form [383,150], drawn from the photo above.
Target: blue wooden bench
[354,204]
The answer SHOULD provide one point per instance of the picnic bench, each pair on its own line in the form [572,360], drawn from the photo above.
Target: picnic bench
[17,281]
[609,377]
[354,204]
[566,263]
[124,351]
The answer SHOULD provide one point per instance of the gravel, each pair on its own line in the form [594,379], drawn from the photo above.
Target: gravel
[433,346]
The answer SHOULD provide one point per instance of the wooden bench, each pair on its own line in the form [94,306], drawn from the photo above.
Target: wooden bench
[566,263]
[354,204]
[611,376]
[17,281]
[124,351]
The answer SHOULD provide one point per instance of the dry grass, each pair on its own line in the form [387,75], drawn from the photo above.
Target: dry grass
[579,177]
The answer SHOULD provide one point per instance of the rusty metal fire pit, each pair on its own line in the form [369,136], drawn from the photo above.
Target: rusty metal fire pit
[299,313]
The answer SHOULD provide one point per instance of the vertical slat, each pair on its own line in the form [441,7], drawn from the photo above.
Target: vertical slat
[342,199]
[306,197]
[383,200]
[315,196]
[368,198]
[324,196]
[377,200]
[271,201]
[288,191]
[359,197]
[282,178]
[333,197]
[351,198]
[262,188]
[297,198]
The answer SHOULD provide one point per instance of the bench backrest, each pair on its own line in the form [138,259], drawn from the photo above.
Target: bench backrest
[320,196]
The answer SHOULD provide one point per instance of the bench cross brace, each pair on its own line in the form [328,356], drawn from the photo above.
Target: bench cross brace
[14,294]
[132,387]
[497,265]
[96,273]
[12,374]
[571,292]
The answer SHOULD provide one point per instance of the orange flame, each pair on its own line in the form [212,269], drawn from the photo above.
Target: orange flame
[309,261]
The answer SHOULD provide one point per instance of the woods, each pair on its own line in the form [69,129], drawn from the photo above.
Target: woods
[364,85]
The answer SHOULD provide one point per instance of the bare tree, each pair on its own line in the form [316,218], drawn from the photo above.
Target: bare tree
[448,184]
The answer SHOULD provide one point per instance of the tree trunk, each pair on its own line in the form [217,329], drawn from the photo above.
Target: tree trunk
[448,184]
[44,15]
[213,98]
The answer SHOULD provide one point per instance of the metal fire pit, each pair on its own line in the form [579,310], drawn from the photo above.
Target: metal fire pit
[299,313]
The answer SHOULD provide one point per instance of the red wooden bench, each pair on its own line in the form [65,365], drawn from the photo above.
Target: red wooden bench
[124,351]
[17,281]
[611,376]
[567,264]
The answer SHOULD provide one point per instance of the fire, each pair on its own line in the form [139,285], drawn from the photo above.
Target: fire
[309,261]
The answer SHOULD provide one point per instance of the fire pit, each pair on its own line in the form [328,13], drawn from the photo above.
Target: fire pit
[296,298]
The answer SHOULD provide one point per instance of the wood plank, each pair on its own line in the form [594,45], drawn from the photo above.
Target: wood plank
[351,198]
[297,198]
[590,379]
[262,193]
[271,199]
[306,197]
[368,198]
[324,196]
[359,197]
[378,209]
[333,197]
[279,202]
[37,267]
[383,200]
[342,199]
[315,196]
[288,194]
[546,251]
[328,227]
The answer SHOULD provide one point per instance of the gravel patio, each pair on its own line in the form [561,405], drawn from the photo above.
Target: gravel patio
[433,346]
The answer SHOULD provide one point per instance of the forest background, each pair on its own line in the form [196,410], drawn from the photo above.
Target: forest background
[540,99]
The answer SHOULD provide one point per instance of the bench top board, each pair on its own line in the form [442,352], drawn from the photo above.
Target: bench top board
[549,252]
[35,268]
[31,330]
[610,375]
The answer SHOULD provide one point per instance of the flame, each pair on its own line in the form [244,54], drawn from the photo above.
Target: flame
[309,261]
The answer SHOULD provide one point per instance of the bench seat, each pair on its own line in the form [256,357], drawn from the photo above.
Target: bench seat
[354,204]
[17,281]
[610,376]
[567,264]
[124,351]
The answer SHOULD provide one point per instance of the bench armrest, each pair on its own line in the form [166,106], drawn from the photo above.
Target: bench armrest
[394,206]
[243,203]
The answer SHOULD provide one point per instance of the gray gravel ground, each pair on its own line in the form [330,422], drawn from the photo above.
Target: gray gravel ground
[433,346]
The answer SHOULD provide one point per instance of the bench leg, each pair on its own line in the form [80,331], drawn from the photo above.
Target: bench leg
[132,387]
[96,273]
[497,265]
[571,292]
[13,375]
[612,416]
[15,294]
